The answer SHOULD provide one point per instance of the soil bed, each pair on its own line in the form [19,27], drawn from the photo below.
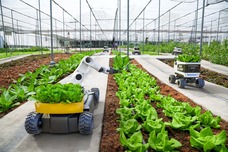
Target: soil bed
[207,75]
[10,70]
[110,137]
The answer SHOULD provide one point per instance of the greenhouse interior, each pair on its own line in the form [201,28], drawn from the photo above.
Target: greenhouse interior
[113,76]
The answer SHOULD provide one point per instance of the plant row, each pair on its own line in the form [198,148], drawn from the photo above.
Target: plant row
[214,52]
[136,91]
[116,52]
[25,86]
[32,49]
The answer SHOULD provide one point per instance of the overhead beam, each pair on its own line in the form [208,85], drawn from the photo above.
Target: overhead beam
[110,30]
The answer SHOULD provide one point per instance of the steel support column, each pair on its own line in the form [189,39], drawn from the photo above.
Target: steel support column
[80,24]
[127,27]
[120,22]
[159,12]
[90,36]
[218,26]
[202,24]
[169,26]
[3,28]
[143,29]
[41,41]
[196,23]
[14,41]
[51,26]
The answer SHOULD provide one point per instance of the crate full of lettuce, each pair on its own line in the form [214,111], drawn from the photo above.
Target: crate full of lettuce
[59,98]
[187,71]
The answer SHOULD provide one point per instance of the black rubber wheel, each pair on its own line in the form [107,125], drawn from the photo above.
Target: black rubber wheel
[85,125]
[96,94]
[33,123]
[181,83]
[172,79]
[199,83]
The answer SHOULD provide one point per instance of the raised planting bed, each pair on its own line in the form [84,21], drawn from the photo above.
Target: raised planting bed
[13,69]
[110,140]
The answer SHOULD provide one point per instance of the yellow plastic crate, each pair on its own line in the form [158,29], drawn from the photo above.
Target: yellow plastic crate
[59,108]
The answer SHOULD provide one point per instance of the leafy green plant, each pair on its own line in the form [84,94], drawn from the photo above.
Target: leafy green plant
[28,78]
[183,122]
[153,125]
[207,120]
[206,140]
[125,113]
[21,92]
[124,94]
[189,48]
[124,102]
[47,79]
[171,106]
[134,143]
[216,52]
[57,93]
[183,108]
[115,52]
[7,101]
[120,63]
[161,141]
[156,97]
[129,127]
[144,110]
[188,58]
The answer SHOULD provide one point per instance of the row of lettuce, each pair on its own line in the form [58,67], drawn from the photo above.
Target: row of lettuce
[138,117]
[30,49]
[215,52]
[26,85]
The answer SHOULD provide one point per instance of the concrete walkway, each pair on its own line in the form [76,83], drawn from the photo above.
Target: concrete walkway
[13,58]
[15,139]
[211,97]
[215,67]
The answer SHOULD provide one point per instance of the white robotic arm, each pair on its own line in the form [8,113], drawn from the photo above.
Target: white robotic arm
[82,69]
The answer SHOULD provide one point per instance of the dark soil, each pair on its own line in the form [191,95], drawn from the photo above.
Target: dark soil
[110,137]
[207,75]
